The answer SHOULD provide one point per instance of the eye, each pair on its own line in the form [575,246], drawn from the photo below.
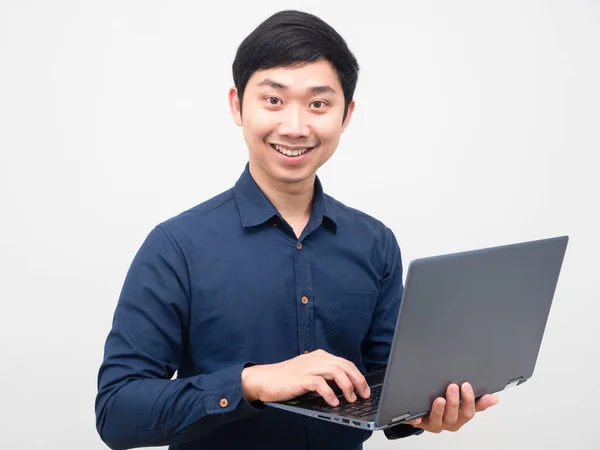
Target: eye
[273,100]
[318,104]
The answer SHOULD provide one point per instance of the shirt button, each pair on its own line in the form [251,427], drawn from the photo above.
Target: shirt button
[274,224]
[224,403]
[304,300]
[299,245]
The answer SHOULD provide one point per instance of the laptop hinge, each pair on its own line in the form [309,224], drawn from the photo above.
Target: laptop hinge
[514,382]
[400,418]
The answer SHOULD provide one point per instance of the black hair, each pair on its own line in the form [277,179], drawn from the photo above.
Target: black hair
[289,38]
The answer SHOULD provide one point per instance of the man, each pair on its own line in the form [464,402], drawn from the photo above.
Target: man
[268,290]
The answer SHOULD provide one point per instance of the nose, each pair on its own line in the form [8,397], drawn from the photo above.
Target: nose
[294,124]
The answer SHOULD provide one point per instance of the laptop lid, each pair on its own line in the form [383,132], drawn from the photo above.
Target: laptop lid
[476,316]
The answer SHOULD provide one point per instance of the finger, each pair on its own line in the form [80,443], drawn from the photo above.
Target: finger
[320,386]
[486,401]
[468,406]
[356,377]
[336,373]
[415,422]
[434,422]
[452,405]
[467,409]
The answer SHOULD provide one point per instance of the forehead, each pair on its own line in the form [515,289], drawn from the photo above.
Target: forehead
[299,77]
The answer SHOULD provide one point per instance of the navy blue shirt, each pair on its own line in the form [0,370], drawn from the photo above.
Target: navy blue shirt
[227,284]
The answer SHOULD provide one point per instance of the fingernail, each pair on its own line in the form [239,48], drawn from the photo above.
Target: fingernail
[336,402]
[368,391]
[353,397]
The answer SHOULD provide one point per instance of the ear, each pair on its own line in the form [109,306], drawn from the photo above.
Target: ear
[348,115]
[235,106]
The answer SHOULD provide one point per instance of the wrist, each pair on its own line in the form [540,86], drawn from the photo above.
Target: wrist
[249,390]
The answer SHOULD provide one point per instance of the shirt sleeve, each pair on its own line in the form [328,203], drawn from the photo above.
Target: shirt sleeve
[138,404]
[377,345]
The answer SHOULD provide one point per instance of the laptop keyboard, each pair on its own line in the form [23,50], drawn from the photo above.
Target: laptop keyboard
[361,408]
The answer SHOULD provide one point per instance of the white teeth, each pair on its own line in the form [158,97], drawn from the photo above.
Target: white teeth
[289,152]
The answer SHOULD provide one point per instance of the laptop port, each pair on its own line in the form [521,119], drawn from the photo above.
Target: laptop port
[356,423]
[345,421]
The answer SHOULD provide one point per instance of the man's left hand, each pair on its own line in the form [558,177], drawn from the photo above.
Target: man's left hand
[448,414]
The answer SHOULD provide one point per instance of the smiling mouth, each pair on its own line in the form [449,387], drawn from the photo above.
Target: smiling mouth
[291,152]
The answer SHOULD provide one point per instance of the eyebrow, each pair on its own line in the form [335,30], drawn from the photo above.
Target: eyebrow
[283,87]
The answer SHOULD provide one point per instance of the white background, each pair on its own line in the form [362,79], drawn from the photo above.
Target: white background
[477,124]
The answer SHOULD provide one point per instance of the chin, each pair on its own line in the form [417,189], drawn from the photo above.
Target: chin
[292,176]
[289,178]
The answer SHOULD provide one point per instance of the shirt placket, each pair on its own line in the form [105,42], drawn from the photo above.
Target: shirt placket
[304,298]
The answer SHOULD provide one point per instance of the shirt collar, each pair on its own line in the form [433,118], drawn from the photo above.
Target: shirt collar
[255,208]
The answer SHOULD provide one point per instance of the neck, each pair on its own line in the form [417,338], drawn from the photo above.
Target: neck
[292,200]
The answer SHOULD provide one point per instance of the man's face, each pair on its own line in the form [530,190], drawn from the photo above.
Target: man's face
[292,120]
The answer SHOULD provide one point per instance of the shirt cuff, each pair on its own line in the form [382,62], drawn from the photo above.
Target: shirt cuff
[223,392]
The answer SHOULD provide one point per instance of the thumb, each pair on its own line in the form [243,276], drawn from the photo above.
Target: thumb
[486,401]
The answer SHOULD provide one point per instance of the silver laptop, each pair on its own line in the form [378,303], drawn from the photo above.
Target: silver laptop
[476,316]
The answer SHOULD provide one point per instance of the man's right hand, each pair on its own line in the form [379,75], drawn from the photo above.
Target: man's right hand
[305,373]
